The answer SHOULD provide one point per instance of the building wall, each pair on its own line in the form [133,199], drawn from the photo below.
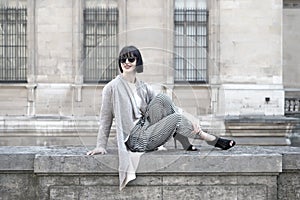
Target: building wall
[55,82]
[291,59]
[251,57]
[246,76]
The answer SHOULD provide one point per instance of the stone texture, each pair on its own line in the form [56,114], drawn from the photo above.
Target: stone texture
[67,173]
[249,47]
[54,57]
[14,186]
[13,100]
[291,59]
[166,162]
[289,186]
[251,57]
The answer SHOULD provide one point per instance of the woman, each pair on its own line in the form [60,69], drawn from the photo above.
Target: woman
[144,121]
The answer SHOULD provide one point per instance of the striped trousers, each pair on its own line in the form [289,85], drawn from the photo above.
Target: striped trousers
[158,125]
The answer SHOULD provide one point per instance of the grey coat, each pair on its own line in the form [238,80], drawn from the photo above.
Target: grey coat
[118,102]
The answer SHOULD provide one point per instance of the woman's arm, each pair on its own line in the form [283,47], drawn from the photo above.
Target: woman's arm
[106,118]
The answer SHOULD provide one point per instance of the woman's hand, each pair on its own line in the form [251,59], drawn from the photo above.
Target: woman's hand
[98,150]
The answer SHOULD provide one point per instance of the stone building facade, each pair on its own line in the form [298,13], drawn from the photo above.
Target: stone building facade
[250,72]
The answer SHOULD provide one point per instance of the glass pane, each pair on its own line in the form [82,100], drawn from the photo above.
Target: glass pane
[191,15]
[179,15]
[179,30]
[201,53]
[190,4]
[191,30]
[201,16]
[101,3]
[199,4]
[201,30]
[180,52]
[201,41]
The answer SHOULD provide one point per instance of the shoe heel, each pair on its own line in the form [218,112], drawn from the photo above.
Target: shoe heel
[184,141]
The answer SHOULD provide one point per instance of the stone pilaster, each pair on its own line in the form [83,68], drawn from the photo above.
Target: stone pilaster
[251,57]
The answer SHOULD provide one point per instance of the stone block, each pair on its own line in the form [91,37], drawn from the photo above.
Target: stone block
[76,164]
[92,180]
[65,192]
[215,192]
[13,100]
[67,173]
[202,163]
[165,162]
[17,186]
[15,162]
[289,186]
[132,192]
[291,161]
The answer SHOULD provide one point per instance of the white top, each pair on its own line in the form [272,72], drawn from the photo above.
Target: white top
[137,98]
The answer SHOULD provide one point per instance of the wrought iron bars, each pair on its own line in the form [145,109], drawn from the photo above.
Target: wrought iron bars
[13,47]
[190,45]
[100,44]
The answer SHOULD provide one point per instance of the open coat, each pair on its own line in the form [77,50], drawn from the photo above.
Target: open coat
[118,102]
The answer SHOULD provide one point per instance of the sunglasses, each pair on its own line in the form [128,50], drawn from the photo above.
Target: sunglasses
[130,59]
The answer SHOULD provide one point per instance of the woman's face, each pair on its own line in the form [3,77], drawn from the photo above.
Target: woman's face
[128,64]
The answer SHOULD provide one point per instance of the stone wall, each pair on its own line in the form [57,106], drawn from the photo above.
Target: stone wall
[291,60]
[251,57]
[67,173]
[55,58]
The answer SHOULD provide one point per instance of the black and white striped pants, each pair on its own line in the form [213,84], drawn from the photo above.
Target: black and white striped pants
[158,126]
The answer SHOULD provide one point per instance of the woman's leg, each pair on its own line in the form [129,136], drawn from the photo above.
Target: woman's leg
[160,107]
[164,123]
[160,132]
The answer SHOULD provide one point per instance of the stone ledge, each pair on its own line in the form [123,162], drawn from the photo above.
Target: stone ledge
[244,159]
[244,172]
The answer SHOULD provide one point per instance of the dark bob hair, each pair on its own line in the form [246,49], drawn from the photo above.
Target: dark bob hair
[128,51]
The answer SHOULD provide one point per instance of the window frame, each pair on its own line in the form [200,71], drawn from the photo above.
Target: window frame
[15,50]
[109,35]
[198,77]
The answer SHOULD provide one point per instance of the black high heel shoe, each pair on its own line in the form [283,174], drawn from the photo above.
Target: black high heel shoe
[222,143]
[184,142]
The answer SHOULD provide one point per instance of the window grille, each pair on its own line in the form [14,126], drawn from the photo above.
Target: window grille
[13,47]
[100,44]
[190,46]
